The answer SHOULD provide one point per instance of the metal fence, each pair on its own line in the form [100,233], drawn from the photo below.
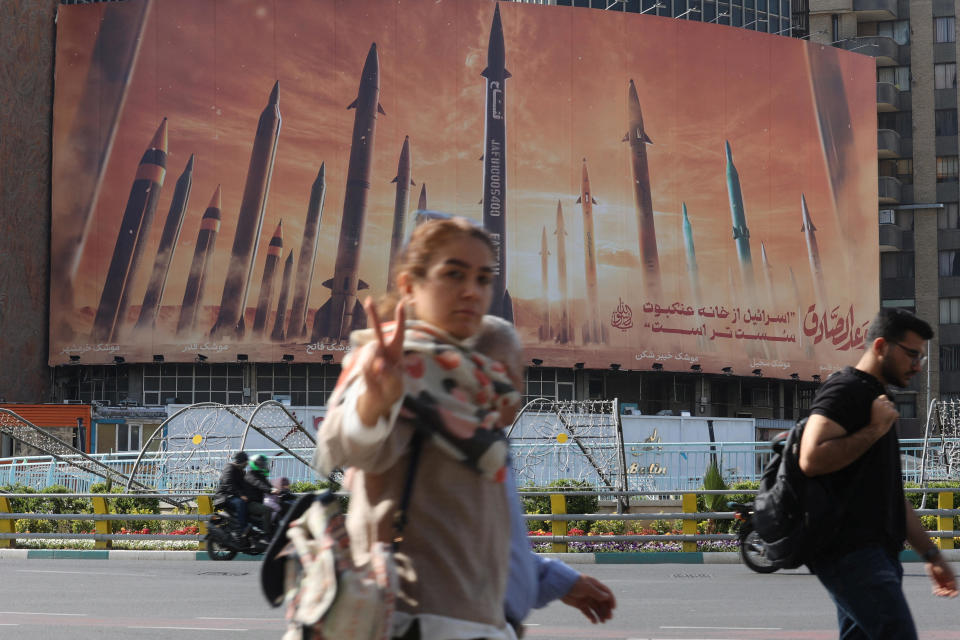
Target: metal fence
[652,467]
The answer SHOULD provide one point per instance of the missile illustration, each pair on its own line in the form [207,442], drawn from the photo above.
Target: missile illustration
[400,206]
[544,330]
[297,326]
[692,270]
[168,244]
[343,313]
[769,348]
[91,136]
[591,331]
[134,229]
[277,334]
[638,139]
[565,333]
[265,300]
[813,255]
[741,234]
[422,201]
[495,164]
[200,265]
[243,255]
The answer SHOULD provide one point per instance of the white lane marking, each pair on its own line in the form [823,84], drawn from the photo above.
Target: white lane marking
[190,628]
[256,619]
[41,613]
[730,628]
[95,573]
[531,624]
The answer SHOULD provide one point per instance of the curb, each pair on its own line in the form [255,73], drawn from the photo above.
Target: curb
[657,557]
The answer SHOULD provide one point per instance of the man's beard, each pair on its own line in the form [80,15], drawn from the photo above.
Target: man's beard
[891,376]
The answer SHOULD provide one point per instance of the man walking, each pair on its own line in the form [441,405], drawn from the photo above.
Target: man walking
[850,440]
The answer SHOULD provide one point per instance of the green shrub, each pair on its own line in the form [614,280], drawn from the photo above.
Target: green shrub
[575,504]
[713,481]
[915,497]
[616,527]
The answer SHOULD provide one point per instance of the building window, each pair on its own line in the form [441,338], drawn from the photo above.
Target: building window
[805,398]
[947,216]
[945,76]
[896,265]
[907,408]
[550,383]
[950,357]
[129,437]
[835,27]
[897,76]
[190,383]
[904,171]
[944,29]
[949,263]
[945,122]
[107,384]
[947,168]
[949,310]
[899,121]
[303,385]
[899,30]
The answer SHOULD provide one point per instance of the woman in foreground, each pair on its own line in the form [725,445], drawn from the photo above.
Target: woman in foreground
[419,376]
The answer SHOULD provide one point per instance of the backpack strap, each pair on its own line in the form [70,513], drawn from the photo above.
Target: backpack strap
[400,517]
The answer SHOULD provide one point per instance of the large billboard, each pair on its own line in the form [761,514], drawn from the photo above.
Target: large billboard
[231,176]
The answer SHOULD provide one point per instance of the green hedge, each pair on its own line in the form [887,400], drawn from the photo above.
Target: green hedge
[575,504]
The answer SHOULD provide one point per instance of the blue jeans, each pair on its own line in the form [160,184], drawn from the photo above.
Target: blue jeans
[239,508]
[867,587]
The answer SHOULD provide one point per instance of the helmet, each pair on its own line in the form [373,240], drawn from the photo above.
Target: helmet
[260,463]
[240,457]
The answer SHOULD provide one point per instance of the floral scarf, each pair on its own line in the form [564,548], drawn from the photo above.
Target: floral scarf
[452,394]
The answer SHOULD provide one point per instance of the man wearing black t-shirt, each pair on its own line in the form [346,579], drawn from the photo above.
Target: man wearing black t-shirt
[850,441]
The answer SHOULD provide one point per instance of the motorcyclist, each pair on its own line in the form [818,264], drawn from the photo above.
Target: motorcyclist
[232,492]
[257,485]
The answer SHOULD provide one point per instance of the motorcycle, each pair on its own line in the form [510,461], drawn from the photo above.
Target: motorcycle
[753,550]
[225,540]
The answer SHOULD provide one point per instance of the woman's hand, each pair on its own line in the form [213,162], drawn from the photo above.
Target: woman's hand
[382,372]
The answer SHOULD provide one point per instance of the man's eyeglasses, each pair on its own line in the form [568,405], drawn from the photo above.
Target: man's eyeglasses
[918,358]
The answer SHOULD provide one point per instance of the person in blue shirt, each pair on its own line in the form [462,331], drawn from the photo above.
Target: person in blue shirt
[535,581]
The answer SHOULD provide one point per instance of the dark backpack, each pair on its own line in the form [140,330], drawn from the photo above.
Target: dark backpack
[795,515]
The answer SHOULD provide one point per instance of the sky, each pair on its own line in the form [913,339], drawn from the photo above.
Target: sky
[209,67]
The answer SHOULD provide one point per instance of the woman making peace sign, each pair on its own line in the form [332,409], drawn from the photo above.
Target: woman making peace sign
[418,375]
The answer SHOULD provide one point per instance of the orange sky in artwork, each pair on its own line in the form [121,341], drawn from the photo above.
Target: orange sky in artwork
[209,67]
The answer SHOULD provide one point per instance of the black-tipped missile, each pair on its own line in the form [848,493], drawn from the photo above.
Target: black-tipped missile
[265,300]
[495,163]
[243,255]
[168,244]
[400,205]
[342,313]
[200,265]
[277,334]
[134,229]
[638,139]
[741,234]
[297,326]
[544,331]
[565,332]
[592,331]
[813,254]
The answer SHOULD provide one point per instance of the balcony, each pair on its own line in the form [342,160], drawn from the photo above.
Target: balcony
[889,189]
[875,10]
[888,97]
[888,144]
[891,238]
[883,48]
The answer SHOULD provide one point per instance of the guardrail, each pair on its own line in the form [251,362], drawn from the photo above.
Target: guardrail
[559,518]
[690,517]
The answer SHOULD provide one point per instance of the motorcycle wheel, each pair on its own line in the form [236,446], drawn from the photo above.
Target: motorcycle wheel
[219,551]
[753,552]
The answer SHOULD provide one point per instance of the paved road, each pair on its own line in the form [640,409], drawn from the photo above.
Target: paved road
[91,599]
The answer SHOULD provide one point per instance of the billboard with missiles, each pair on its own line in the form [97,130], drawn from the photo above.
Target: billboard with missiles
[231,178]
